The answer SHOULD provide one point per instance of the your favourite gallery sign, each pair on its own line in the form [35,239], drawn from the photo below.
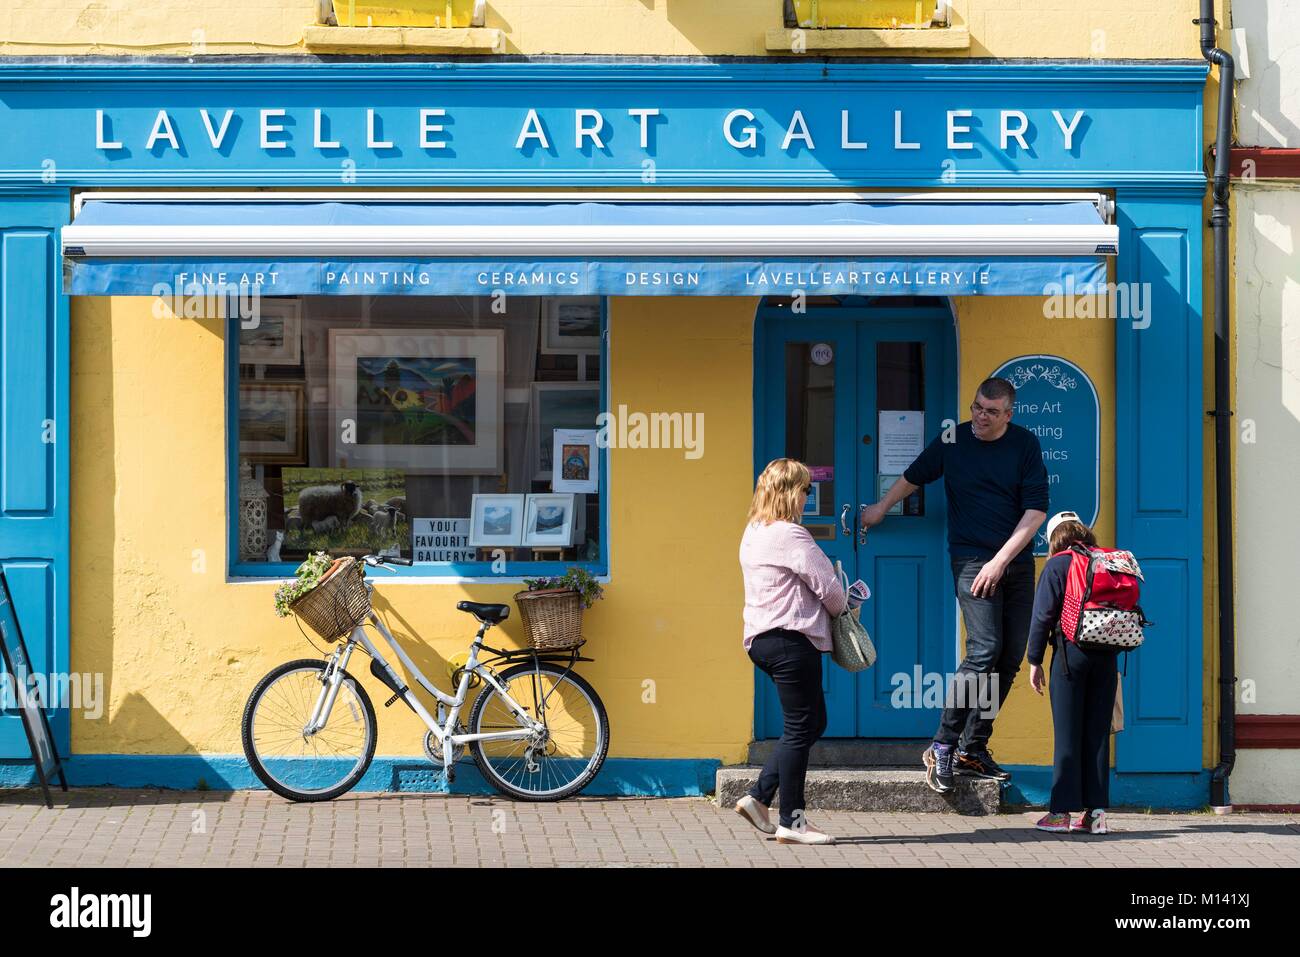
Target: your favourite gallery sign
[441,540]
[1057,401]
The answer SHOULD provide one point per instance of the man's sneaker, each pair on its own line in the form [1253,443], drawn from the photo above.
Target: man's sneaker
[1057,823]
[1090,822]
[938,767]
[979,764]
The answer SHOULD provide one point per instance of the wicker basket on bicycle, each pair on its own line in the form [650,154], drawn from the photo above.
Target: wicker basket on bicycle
[552,617]
[338,603]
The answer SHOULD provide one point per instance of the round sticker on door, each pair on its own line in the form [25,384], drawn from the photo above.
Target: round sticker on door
[822,354]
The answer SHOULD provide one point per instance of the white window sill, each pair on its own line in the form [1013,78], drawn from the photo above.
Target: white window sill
[469,40]
[868,39]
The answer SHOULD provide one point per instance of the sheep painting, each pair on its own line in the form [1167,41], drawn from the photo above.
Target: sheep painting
[340,511]
[322,502]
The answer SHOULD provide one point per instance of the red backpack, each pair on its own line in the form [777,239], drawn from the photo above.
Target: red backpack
[1101,607]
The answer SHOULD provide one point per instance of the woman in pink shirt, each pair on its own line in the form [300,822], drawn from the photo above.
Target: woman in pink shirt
[791,594]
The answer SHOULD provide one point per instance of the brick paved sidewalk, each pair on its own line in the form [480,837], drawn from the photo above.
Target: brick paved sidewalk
[111,828]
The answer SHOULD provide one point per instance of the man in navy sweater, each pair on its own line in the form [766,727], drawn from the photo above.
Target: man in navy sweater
[996,486]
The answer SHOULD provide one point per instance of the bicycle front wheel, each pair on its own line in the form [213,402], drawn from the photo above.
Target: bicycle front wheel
[559,761]
[301,766]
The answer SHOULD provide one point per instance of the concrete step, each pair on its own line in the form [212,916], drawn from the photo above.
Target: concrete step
[872,789]
[853,752]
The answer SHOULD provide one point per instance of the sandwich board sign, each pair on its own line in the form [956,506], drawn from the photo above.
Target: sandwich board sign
[35,722]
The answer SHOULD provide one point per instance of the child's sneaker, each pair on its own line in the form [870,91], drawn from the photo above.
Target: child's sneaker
[1090,822]
[1058,823]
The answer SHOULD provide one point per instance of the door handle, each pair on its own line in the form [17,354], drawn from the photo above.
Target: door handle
[862,531]
[844,519]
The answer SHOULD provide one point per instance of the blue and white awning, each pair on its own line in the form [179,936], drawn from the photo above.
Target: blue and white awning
[718,245]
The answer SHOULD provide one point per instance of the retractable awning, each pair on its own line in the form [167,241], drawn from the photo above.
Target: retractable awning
[607,244]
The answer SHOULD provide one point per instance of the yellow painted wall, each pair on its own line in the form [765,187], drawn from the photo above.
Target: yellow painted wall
[181,648]
[1096,29]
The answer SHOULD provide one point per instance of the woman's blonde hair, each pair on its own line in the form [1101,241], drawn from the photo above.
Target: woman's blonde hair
[776,494]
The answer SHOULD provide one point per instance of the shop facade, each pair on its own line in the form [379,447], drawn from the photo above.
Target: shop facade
[224,285]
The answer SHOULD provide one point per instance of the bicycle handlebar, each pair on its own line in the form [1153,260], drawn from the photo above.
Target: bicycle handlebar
[375,560]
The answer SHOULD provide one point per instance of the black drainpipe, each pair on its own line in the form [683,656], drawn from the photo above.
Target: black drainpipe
[1222,412]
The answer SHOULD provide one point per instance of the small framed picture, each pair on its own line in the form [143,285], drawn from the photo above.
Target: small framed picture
[571,324]
[577,465]
[549,521]
[273,337]
[271,422]
[558,405]
[496,520]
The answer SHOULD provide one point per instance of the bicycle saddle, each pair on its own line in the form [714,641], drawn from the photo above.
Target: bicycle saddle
[495,614]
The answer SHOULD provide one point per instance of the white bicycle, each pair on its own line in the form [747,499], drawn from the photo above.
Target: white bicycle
[537,730]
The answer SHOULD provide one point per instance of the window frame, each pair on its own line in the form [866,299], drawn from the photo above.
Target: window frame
[427,573]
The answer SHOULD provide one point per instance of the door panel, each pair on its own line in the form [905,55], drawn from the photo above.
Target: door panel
[34,443]
[904,557]
[809,414]
[814,403]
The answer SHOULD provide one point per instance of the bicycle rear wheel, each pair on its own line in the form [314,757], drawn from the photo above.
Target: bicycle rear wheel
[304,767]
[562,760]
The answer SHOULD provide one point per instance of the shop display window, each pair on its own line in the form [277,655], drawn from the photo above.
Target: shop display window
[459,432]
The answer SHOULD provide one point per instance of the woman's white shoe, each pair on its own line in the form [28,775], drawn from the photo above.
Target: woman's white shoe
[752,811]
[806,835]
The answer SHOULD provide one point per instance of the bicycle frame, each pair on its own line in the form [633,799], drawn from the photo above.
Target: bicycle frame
[444,733]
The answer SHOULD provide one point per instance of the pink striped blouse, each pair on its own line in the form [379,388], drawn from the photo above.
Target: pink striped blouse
[789,583]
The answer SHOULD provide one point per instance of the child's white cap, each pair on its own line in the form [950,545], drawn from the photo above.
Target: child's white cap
[1058,518]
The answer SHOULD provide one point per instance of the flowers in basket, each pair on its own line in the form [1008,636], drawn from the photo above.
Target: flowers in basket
[575,579]
[306,578]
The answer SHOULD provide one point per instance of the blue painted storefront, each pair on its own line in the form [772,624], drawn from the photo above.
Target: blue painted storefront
[1133,130]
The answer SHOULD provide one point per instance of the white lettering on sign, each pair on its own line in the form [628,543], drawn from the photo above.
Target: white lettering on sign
[427,129]
[441,540]
[741,129]
[218,136]
[749,134]
[955,128]
[644,116]
[269,129]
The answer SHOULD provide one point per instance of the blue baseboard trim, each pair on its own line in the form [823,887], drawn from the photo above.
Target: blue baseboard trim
[1172,791]
[620,777]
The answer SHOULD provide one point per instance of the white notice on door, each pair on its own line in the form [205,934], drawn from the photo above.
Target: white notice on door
[900,439]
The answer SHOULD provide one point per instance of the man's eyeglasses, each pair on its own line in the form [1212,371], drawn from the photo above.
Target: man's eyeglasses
[977,409]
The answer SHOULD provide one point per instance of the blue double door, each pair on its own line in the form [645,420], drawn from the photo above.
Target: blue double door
[846,389]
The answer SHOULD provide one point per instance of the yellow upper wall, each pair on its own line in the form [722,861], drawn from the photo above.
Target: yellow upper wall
[1092,29]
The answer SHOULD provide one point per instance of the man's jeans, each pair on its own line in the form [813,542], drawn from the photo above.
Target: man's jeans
[997,631]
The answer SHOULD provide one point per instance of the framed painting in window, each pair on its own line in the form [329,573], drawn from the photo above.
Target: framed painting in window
[571,324]
[272,422]
[427,401]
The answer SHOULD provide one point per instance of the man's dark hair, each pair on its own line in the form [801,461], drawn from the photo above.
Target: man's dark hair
[998,389]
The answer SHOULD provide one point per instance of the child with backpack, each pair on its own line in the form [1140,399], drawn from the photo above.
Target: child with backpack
[1086,606]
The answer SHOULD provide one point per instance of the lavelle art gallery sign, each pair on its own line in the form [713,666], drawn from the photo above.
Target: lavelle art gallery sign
[607,123]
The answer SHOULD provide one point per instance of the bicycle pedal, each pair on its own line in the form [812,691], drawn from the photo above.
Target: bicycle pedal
[390,701]
[451,775]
